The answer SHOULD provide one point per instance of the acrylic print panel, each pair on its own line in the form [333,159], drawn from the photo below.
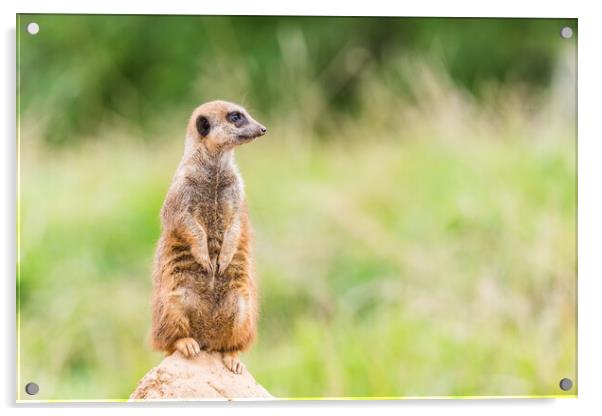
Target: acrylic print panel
[412,207]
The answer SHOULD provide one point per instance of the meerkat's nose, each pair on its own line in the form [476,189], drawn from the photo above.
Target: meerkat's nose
[263,130]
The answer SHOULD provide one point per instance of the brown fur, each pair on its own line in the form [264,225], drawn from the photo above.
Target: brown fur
[204,292]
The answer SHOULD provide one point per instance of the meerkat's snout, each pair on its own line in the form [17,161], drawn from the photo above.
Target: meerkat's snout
[248,128]
[256,131]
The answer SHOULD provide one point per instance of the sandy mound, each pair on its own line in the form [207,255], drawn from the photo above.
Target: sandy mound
[204,377]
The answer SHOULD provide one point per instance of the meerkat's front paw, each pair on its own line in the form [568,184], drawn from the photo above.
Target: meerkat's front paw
[232,362]
[222,263]
[188,347]
[204,260]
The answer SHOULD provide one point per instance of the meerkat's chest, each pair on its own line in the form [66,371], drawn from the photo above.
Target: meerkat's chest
[217,197]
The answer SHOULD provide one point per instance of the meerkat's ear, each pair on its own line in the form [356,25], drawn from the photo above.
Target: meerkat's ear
[203,126]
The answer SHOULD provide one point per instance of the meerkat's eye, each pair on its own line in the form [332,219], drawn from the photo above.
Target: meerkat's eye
[235,117]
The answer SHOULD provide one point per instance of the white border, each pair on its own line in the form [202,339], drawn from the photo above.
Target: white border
[590,200]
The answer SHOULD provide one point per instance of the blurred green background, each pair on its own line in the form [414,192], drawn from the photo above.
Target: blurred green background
[414,202]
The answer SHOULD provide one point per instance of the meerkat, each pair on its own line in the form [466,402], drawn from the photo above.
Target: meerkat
[204,291]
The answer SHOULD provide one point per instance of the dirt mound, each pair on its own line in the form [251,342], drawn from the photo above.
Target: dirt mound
[204,377]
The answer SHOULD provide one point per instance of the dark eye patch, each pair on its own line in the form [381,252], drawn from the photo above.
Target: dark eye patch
[237,118]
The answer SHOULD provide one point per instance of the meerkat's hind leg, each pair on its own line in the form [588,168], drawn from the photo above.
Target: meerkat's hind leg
[232,362]
[188,347]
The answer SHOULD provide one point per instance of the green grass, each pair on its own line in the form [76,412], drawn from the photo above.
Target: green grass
[386,266]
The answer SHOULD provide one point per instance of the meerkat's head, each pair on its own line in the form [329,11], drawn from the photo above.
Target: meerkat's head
[223,125]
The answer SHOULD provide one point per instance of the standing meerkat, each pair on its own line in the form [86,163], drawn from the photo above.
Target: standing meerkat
[204,293]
